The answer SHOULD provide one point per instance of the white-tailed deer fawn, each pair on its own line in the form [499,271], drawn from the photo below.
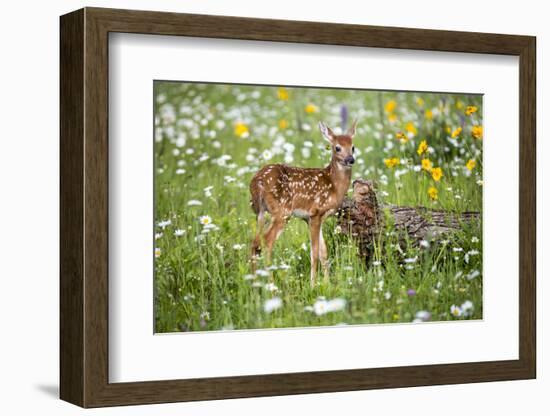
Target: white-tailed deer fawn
[308,193]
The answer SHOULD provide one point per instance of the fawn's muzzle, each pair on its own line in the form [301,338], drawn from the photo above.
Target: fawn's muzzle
[350,160]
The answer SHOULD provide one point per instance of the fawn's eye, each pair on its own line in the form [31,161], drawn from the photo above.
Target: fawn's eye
[337,148]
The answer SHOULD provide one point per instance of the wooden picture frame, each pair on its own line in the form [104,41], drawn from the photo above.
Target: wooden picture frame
[84,207]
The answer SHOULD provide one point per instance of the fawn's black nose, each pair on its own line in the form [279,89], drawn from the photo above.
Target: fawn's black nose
[350,160]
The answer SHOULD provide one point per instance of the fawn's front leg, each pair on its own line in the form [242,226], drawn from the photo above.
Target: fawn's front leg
[314,230]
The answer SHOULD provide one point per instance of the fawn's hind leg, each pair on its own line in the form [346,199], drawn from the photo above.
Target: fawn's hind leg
[314,228]
[272,234]
[257,242]
[323,254]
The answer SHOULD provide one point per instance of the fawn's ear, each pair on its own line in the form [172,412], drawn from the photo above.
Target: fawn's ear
[326,132]
[351,130]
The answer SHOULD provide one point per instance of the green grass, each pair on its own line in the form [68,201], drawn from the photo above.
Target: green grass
[202,277]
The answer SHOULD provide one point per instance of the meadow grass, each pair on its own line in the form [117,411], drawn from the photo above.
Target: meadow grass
[210,140]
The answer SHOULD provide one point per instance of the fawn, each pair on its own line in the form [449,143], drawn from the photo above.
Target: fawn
[308,193]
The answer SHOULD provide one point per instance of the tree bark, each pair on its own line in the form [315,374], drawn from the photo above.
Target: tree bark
[362,217]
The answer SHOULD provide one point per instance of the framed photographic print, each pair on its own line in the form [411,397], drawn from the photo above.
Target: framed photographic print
[255,207]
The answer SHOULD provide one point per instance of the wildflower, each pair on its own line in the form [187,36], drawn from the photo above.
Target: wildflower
[456,311]
[424,244]
[311,108]
[477,132]
[179,233]
[282,94]
[403,138]
[262,272]
[205,220]
[194,202]
[479,182]
[423,316]
[392,117]
[411,260]
[473,275]
[271,287]
[208,191]
[164,224]
[157,252]
[283,124]
[422,147]
[467,308]
[390,106]
[432,193]
[158,235]
[241,129]
[419,101]
[387,295]
[238,246]
[427,165]
[392,162]
[411,128]
[437,173]
[266,154]
[323,306]
[411,292]
[471,109]
[456,132]
[475,239]
[272,304]
[471,164]
[180,171]
[428,114]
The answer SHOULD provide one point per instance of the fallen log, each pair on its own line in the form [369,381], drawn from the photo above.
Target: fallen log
[365,220]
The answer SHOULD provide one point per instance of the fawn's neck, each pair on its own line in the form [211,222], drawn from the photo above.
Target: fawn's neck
[340,177]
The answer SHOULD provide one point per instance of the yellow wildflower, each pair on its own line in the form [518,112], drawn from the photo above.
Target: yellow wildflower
[311,108]
[390,106]
[459,105]
[241,129]
[157,252]
[471,164]
[392,162]
[282,94]
[477,132]
[437,173]
[427,165]
[283,124]
[392,117]
[411,128]
[456,132]
[428,114]
[432,192]
[403,138]
[471,109]
[448,129]
[420,102]
[422,147]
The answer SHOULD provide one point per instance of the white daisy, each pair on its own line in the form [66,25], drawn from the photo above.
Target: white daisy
[272,304]
[456,311]
[205,220]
